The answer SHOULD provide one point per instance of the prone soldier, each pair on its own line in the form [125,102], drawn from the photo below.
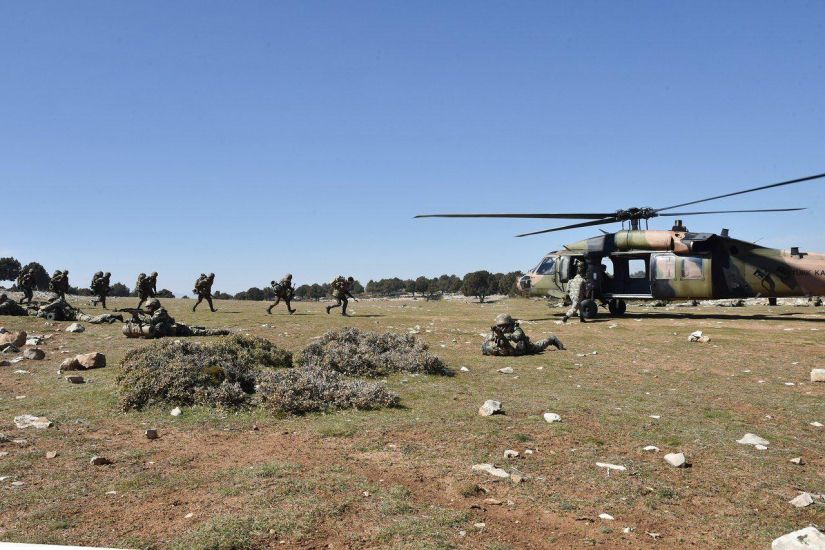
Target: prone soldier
[203,288]
[26,284]
[283,291]
[101,287]
[155,322]
[61,310]
[508,339]
[10,307]
[342,291]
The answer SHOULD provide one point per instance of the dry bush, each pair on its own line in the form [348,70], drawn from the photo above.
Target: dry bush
[361,353]
[222,374]
[309,389]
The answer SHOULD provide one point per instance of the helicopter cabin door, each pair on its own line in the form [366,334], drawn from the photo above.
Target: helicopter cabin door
[675,277]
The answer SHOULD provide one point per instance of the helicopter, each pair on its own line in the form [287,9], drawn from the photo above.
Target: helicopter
[670,265]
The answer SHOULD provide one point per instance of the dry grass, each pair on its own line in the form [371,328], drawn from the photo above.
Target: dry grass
[398,477]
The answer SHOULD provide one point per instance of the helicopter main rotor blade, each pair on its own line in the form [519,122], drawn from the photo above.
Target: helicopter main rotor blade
[575,225]
[730,211]
[780,184]
[582,216]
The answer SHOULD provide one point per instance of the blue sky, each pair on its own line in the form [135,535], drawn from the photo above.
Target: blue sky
[255,138]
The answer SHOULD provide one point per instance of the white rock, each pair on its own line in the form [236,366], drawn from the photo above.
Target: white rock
[760,447]
[652,448]
[75,327]
[809,538]
[628,530]
[606,517]
[799,461]
[490,407]
[506,370]
[752,439]
[655,416]
[698,337]
[817,375]
[551,417]
[816,424]
[802,500]
[464,369]
[609,466]
[677,460]
[491,470]
[510,453]
[30,421]
[176,411]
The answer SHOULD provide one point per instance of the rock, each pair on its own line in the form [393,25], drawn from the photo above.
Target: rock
[817,375]
[799,461]
[490,407]
[70,364]
[34,340]
[30,421]
[609,466]
[51,454]
[99,461]
[652,448]
[809,538]
[802,500]
[760,447]
[479,525]
[506,370]
[92,360]
[510,453]
[551,417]
[698,337]
[752,439]
[464,369]
[516,477]
[491,470]
[493,502]
[816,424]
[76,379]
[17,339]
[35,354]
[606,517]
[677,460]
[75,327]
[176,411]
[151,434]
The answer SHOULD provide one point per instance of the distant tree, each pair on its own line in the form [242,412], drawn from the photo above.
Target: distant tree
[409,286]
[41,276]
[218,295]
[9,269]
[479,284]
[165,293]
[119,290]
[506,282]
[422,285]
[186,297]
[253,293]
[80,291]
[357,287]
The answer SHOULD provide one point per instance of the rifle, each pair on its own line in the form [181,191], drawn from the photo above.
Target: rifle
[134,311]
[500,337]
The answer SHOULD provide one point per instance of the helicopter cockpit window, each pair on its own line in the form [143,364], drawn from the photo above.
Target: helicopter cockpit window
[665,267]
[692,268]
[547,266]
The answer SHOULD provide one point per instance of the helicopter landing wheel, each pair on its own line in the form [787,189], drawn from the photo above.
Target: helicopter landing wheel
[617,307]
[589,309]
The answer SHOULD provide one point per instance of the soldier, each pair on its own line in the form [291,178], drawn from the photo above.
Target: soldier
[10,307]
[61,310]
[156,322]
[101,287]
[507,338]
[576,289]
[283,291]
[146,287]
[26,283]
[203,288]
[59,283]
[341,291]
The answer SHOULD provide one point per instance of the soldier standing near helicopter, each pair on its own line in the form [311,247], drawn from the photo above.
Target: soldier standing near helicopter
[576,290]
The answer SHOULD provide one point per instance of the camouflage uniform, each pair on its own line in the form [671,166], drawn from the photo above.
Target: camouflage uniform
[10,307]
[203,288]
[26,283]
[59,283]
[101,287]
[576,290]
[508,339]
[341,291]
[61,310]
[158,324]
[146,287]
[283,291]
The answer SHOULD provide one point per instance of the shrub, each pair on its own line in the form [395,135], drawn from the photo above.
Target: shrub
[221,374]
[355,353]
[310,389]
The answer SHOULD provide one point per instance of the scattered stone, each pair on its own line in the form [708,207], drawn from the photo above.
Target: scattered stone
[34,354]
[16,339]
[528,451]
[760,447]
[464,369]
[752,439]
[655,416]
[99,461]
[76,379]
[677,460]
[510,453]
[551,417]
[51,454]
[34,340]
[70,364]
[151,434]
[176,411]
[698,337]
[652,448]
[30,421]
[802,500]
[75,327]
[799,461]
[818,375]
[493,502]
[490,407]
[809,538]
[92,360]
[491,470]
[517,477]
[816,424]
[17,483]
[506,370]
[479,525]
[606,517]
[608,466]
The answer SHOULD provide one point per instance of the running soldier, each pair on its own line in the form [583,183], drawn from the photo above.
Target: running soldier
[283,291]
[146,287]
[203,288]
[101,287]
[576,290]
[156,322]
[59,283]
[508,339]
[342,291]
[26,284]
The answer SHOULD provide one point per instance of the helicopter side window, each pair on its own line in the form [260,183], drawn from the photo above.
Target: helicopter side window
[665,267]
[547,266]
[637,268]
[692,269]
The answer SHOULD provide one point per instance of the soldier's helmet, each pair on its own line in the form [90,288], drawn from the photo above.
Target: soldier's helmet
[108,274]
[142,276]
[503,319]
[153,304]
[288,276]
[581,268]
[66,272]
[272,283]
[154,274]
[203,275]
[350,279]
[211,275]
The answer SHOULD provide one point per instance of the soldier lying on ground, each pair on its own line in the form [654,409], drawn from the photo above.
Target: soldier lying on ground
[283,291]
[60,310]
[10,307]
[507,338]
[155,322]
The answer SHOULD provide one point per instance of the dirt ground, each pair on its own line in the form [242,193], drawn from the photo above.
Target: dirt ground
[402,477]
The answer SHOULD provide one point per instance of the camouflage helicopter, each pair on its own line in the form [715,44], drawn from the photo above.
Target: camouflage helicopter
[668,265]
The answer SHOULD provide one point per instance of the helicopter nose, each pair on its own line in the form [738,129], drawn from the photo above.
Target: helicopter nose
[524,283]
